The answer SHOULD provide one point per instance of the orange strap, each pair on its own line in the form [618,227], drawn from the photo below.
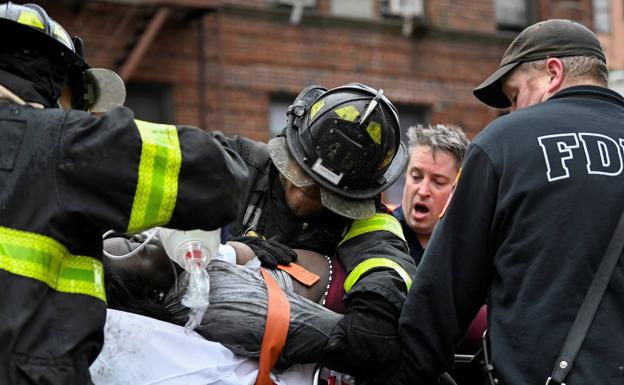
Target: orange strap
[275,329]
[300,273]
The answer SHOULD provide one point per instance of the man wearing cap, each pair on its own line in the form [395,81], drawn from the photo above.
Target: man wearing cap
[532,214]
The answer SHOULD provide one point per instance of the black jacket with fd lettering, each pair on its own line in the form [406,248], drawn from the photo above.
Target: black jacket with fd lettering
[540,194]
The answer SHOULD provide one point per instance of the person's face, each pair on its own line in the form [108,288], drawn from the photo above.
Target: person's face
[152,263]
[302,201]
[525,88]
[428,184]
[65,99]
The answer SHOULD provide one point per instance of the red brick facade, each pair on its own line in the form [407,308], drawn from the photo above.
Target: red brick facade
[224,60]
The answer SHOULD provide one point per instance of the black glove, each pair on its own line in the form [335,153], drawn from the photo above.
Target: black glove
[364,343]
[269,251]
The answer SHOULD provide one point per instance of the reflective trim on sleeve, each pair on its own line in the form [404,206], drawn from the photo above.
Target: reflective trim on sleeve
[377,222]
[374,263]
[157,186]
[45,259]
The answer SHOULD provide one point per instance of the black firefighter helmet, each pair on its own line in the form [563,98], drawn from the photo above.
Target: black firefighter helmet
[28,26]
[348,141]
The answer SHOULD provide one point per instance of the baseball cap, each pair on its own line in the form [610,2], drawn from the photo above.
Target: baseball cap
[550,38]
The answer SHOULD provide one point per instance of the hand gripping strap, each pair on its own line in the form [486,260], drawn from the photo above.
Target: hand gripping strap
[275,329]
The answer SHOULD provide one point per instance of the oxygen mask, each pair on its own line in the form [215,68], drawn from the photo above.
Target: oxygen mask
[193,250]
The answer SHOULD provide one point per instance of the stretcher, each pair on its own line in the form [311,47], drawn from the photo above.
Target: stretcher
[140,350]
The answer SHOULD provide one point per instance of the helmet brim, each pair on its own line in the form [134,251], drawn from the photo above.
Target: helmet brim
[286,164]
[25,36]
[347,207]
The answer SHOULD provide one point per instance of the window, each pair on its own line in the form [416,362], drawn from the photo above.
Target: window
[361,9]
[602,16]
[277,113]
[402,8]
[616,81]
[297,7]
[513,15]
[409,116]
[305,3]
[150,101]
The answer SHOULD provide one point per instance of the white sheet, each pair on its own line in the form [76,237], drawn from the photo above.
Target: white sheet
[140,351]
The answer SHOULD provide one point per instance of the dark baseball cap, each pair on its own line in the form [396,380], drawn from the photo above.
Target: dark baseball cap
[550,38]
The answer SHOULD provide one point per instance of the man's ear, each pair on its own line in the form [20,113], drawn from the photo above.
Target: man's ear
[555,69]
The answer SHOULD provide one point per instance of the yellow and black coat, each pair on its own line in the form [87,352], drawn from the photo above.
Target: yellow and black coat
[66,177]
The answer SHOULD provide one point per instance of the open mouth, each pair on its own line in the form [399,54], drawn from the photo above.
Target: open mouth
[421,209]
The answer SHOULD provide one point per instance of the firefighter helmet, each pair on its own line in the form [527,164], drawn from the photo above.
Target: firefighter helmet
[29,26]
[348,141]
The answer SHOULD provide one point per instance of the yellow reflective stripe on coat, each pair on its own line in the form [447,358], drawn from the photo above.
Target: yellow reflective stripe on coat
[377,222]
[157,186]
[374,263]
[45,259]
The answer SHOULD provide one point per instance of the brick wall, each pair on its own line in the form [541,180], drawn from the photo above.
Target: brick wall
[474,15]
[251,52]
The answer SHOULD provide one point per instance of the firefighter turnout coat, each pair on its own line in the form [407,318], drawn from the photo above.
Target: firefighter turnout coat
[65,178]
[363,246]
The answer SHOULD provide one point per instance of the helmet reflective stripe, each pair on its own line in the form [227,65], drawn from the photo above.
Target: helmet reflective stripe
[159,167]
[316,108]
[42,258]
[31,19]
[348,113]
[378,222]
[61,35]
[374,131]
[376,263]
[34,16]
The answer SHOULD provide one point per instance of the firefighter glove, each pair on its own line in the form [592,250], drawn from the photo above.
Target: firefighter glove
[270,252]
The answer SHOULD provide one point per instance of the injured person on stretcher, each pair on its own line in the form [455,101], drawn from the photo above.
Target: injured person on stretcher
[150,284]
